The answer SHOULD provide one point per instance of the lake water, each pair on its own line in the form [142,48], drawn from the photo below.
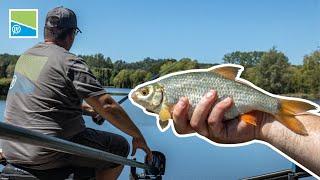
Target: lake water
[194,158]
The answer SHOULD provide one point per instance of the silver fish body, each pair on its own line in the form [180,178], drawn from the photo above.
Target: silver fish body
[195,85]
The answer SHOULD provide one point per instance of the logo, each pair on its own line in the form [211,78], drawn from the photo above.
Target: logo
[23,23]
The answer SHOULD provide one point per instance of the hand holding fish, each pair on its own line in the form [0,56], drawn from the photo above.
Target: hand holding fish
[211,124]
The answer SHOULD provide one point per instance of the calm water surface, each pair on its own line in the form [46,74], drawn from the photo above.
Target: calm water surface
[194,158]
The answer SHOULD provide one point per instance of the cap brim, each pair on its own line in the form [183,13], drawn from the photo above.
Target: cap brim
[79,30]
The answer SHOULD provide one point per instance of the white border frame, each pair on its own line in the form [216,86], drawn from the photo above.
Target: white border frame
[22,37]
[316,112]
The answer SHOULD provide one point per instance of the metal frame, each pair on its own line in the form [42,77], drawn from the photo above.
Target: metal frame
[14,133]
[288,174]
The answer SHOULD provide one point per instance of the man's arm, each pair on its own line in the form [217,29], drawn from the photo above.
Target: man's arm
[88,88]
[303,149]
[109,109]
[87,110]
[114,113]
[211,124]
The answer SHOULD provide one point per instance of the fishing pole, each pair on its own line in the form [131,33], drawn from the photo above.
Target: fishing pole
[19,134]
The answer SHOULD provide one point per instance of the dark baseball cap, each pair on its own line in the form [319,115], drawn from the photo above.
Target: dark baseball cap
[62,18]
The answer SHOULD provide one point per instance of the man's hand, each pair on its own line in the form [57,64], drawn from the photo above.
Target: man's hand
[139,142]
[89,111]
[109,109]
[211,123]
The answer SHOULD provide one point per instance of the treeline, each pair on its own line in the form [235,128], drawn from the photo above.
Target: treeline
[7,64]
[269,70]
[272,72]
[127,75]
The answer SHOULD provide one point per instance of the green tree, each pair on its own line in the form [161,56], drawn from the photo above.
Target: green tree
[311,74]
[250,74]
[294,79]
[272,72]
[7,61]
[119,65]
[103,75]
[4,86]
[122,79]
[97,60]
[137,77]
[183,64]
[148,77]
[246,59]
[10,70]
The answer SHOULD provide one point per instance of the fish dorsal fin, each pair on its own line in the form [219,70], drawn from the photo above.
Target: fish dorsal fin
[229,72]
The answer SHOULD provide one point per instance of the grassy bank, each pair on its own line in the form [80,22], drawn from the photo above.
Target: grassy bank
[3,98]
[4,87]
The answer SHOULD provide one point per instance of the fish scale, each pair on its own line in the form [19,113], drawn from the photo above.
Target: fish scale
[195,84]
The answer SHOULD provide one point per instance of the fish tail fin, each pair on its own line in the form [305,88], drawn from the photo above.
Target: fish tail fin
[295,107]
[288,111]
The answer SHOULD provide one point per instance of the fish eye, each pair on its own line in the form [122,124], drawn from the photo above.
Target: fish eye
[145,92]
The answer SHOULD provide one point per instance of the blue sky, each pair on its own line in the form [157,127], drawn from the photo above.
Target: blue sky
[200,29]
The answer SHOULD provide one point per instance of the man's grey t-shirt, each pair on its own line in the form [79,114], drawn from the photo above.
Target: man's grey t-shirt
[45,95]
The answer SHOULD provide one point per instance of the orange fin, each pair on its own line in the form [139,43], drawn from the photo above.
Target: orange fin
[287,112]
[164,113]
[229,72]
[295,107]
[292,123]
[249,118]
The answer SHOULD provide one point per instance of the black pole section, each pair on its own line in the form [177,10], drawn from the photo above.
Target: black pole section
[123,99]
[117,94]
[14,133]
[274,175]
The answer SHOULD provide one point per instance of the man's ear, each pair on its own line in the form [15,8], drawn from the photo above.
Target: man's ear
[69,40]
[71,37]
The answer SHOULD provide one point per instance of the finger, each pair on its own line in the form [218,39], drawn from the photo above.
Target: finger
[215,119]
[147,150]
[200,113]
[180,116]
[149,153]
[150,156]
